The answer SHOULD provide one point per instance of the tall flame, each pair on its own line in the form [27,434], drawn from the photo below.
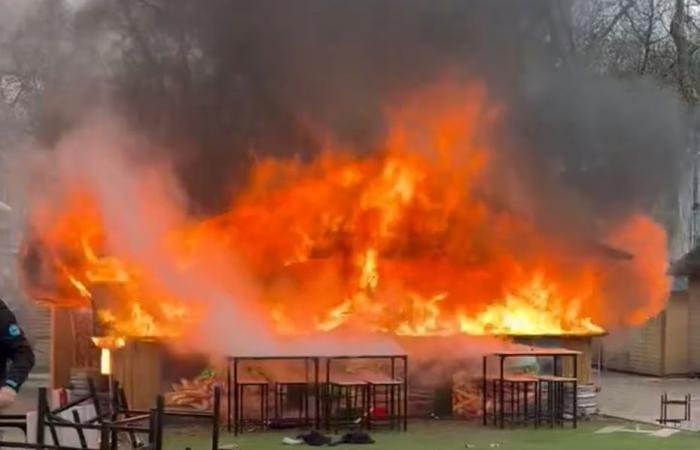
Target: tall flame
[416,238]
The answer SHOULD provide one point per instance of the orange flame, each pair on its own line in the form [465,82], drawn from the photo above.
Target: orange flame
[406,240]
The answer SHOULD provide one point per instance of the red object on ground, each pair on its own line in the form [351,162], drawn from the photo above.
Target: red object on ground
[379,412]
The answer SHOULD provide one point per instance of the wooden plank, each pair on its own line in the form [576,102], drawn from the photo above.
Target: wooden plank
[62,347]
[584,347]
[676,335]
[645,353]
[694,324]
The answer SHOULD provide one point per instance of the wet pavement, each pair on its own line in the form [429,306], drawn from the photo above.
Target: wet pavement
[638,398]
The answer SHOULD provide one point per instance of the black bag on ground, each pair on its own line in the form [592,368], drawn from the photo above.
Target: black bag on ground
[315,439]
[355,437]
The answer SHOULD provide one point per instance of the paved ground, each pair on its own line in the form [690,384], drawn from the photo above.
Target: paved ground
[638,398]
[26,401]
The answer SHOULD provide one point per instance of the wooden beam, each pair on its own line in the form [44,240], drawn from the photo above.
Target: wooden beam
[62,347]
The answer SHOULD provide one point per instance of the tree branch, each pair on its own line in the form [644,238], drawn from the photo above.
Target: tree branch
[680,40]
[136,34]
[597,37]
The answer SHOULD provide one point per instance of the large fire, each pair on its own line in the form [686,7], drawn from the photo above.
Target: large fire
[413,238]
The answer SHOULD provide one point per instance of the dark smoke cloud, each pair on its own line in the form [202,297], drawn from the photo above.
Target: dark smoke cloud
[219,83]
[616,144]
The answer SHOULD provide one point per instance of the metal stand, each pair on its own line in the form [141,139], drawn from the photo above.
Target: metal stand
[664,419]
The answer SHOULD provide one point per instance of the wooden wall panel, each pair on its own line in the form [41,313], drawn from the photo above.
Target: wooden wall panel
[676,334]
[139,369]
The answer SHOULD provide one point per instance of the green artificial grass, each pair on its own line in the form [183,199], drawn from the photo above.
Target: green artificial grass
[446,435]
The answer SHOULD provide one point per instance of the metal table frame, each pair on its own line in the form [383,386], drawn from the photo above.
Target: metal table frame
[232,385]
[232,381]
[555,354]
[392,358]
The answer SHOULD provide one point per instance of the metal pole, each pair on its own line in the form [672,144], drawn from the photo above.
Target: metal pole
[600,365]
[104,437]
[317,389]
[215,425]
[40,418]
[575,394]
[160,405]
[328,401]
[483,392]
[113,390]
[501,400]
[235,396]
[405,393]
[228,395]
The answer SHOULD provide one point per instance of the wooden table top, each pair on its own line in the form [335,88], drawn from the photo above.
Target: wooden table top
[555,378]
[537,352]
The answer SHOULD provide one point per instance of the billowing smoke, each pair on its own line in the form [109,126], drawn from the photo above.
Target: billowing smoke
[222,83]
[214,86]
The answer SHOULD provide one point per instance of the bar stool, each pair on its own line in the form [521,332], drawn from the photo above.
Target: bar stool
[556,389]
[385,394]
[262,387]
[281,393]
[347,403]
[518,390]
[676,420]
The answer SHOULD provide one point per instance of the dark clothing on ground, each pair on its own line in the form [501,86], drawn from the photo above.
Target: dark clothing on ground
[355,437]
[316,439]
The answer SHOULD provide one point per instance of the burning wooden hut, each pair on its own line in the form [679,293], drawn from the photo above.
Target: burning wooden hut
[416,241]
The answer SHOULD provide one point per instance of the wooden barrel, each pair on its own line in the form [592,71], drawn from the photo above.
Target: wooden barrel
[586,400]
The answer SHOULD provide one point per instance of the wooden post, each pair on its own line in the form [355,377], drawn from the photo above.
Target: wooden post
[583,344]
[62,347]
[138,367]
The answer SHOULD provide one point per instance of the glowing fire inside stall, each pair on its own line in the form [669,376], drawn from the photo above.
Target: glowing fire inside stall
[106,344]
[407,239]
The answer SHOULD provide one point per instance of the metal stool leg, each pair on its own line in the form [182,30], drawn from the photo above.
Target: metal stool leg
[538,406]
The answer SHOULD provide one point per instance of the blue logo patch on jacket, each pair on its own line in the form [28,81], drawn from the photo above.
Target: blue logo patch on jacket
[13,330]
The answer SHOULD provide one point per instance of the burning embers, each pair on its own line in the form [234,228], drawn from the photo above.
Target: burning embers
[420,237]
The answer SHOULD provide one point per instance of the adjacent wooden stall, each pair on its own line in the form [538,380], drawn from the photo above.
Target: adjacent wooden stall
[664,346]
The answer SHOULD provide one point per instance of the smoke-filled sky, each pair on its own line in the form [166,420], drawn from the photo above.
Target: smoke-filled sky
[221,83]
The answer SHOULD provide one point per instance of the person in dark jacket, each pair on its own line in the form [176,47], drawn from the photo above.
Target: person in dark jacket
[16,356]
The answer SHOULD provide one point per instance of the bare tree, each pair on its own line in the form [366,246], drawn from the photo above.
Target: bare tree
[656,38]
[679,34]
[36,60]
[645,24]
